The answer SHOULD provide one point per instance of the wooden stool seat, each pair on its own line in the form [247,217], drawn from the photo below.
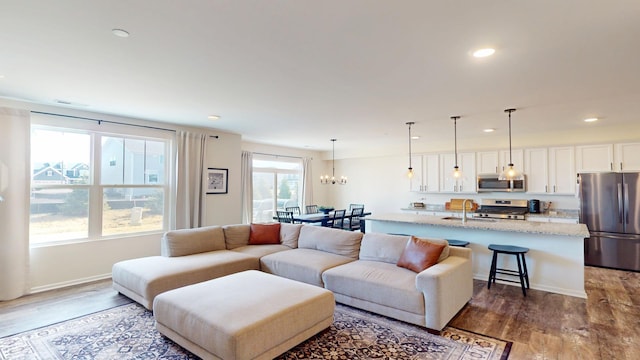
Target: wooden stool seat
[521,273]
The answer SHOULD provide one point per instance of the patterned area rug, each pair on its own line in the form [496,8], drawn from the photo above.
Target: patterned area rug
[128,332]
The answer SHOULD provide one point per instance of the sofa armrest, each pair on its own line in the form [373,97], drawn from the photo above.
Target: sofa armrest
[447,287]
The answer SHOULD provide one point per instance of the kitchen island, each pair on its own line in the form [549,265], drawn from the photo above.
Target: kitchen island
[556,251]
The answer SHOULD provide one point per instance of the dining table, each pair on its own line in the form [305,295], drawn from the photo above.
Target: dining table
[321,218]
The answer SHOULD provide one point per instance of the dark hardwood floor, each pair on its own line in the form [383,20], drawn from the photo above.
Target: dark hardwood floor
[542,325]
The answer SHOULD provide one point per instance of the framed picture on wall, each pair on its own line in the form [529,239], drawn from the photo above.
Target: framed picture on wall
[217,181]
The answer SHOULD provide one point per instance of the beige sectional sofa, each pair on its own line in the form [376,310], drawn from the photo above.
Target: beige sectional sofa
[360,269]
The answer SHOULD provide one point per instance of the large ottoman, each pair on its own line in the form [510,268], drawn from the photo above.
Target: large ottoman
[247,315]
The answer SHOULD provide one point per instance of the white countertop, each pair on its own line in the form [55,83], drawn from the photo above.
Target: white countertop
[531,227]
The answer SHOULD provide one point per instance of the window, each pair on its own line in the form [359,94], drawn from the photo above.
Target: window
[87,184]
[276,185]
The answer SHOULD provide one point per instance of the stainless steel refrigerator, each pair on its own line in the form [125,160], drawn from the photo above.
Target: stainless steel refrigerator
[610,207]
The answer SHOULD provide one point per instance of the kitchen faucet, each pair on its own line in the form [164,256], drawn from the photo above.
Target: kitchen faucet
[464,211]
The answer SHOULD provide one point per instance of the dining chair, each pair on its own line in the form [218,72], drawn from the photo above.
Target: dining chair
[312,209]
[295,210]
[337,221]
[355,206]
[353,223]
[285,216]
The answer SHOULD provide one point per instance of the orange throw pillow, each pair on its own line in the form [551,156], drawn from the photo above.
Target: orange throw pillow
[420,254]
[262,234]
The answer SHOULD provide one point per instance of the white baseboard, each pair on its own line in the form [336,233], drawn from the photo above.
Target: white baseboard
[73,282]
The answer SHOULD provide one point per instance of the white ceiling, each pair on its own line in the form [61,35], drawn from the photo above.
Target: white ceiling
[298,73]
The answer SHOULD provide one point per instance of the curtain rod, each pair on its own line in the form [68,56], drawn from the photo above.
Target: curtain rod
[109,122]
[288,156]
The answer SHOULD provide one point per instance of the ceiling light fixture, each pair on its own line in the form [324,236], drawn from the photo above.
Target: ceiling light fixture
[325,179]
[489,130]
[120,33]
[213,117]
[457,173]
[591,120]
[410,170]
[480,53]
[510,173]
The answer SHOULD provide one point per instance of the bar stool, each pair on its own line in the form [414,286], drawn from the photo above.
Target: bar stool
[459,243]
[522,272]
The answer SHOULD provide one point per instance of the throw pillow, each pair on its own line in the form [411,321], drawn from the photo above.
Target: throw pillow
[420,254]
[262,234]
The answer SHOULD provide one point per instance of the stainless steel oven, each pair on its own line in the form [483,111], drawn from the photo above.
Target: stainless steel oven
[502,209]
[491,183]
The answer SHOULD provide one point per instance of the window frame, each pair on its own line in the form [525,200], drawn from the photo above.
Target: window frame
[96,189]
[276,172]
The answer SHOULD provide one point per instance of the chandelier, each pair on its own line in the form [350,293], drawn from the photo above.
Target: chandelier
[332,180]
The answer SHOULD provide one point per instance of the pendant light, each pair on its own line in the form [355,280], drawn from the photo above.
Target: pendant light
[510,172]
[332,180]
[457,173]
[410,170]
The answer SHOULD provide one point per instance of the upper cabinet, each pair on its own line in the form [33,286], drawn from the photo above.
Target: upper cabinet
[537,170]
[426,173]
[467,164]
[494,162]
[594,158]
[551,171]
[487,162]
[517,156]
[562,170]
[627,157]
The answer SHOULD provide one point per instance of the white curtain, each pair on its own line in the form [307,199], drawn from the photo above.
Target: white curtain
[247,187]
[307,183]
[14,202]
[190,184]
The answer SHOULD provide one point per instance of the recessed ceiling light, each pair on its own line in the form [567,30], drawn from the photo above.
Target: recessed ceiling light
[415,137]
[480,53]
[213,117]
[120,33]
[590,119]
[489,130]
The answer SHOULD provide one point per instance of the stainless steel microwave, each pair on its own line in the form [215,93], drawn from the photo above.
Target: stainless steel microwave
[490,183]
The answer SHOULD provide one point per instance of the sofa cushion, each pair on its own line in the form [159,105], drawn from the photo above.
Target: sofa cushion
[304,265]
[420,254]
[261,234]
[382,247]
[146,277]
[236,235]
[289,234]
[261,250]
[377,282]
[336,241]
[192,241]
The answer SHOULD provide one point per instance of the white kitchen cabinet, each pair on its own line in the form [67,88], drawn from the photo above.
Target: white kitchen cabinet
[536,170]
[426,173]
[517,155]
[487,162]
[562,171]
[467,164]
[594,158]
[550,170]
[415,183]
[627,157]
